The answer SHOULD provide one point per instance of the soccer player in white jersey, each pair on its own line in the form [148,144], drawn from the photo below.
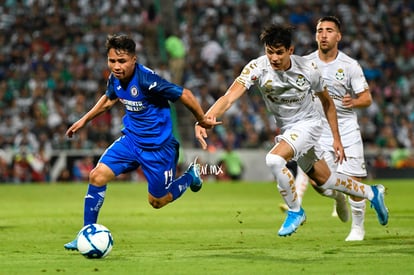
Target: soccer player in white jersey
[349,89]
[286,82]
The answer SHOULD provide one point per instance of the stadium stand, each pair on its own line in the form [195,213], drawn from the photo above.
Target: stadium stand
[52,67]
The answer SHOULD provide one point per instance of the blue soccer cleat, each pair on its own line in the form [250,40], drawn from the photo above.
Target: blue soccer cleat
[292,222]
[73,245]
[378,203]
[194,171]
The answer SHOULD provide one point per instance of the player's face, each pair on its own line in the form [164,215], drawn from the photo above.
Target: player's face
[327,36]
[279,57]
[121,64]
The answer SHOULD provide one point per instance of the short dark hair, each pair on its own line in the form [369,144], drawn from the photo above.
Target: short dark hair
[120,42]
[277,35]
[331,18]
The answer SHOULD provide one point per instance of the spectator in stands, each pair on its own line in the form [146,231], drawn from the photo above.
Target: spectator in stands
[81,168]
[231,164]
[46,41]
[175,48]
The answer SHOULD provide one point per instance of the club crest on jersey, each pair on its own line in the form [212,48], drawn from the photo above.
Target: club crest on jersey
[300,80]
[134,91]
[340,74]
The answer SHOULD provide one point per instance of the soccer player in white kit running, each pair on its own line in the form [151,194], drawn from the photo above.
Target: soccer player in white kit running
[349,89]
[287,82]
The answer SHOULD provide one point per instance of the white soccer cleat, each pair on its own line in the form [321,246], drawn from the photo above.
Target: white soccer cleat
[356,234]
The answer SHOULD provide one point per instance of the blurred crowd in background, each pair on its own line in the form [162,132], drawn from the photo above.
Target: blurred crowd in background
[53,68]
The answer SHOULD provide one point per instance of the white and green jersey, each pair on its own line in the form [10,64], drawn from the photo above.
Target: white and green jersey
[342,76]
[287,94]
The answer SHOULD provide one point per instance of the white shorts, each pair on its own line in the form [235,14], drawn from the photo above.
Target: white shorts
[354,164]
[302,136]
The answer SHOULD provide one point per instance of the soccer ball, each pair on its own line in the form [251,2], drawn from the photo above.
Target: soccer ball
[95,241]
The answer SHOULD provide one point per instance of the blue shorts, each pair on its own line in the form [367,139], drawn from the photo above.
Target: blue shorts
[159,165]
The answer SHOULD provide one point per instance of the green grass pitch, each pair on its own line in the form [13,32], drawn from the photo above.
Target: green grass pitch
[226,228]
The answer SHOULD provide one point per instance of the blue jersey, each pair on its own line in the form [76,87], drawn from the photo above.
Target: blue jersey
[147,119]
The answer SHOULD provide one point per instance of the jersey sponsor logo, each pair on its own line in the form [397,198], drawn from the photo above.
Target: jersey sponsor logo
[340,75]
[134,91]
[275,99]
[131,105]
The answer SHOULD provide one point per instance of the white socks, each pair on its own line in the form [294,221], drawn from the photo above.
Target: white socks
[348,186]
[358,213]
[285,181]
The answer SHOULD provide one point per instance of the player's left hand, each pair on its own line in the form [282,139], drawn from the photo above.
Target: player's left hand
[339,152]
[201,132]
[201,135]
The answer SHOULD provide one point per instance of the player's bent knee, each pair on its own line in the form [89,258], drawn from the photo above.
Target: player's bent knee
[100,175]
[96,178]
[158,203]
[276,161]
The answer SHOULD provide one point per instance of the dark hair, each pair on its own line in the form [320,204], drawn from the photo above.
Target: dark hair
[276,36]
[120,42]
[331,18]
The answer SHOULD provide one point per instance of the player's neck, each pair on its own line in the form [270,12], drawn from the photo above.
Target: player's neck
[328,56]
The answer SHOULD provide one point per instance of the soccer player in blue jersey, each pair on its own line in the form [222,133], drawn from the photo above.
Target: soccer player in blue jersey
[147,139]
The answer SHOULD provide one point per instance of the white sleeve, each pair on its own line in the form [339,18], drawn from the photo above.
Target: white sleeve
[249,74]
[358,81]
[316,79]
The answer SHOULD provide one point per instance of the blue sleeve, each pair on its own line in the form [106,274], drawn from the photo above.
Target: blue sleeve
[155,86]
[110,91]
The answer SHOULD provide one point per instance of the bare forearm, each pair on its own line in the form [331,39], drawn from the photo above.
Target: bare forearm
[219,107]
[191,103]
[100,107]
[330,113]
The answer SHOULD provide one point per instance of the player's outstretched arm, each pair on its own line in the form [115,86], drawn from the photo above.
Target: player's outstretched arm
[222,104]
[189,100]
[103,104]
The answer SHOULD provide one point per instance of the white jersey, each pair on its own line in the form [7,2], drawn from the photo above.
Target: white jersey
[287,94]
[342,76]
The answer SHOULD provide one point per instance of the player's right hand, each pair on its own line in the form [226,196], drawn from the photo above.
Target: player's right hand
[74,128]
[208,122]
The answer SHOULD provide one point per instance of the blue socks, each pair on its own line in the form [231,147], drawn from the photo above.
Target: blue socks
[93,202]
[179,185]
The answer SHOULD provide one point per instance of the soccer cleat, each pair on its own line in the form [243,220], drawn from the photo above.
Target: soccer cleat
[378,203]
[73,245]
[194,171]
[357,234]
[292,222]
[341,207]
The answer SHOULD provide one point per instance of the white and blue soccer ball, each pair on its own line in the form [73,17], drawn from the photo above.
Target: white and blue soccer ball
[95,241]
